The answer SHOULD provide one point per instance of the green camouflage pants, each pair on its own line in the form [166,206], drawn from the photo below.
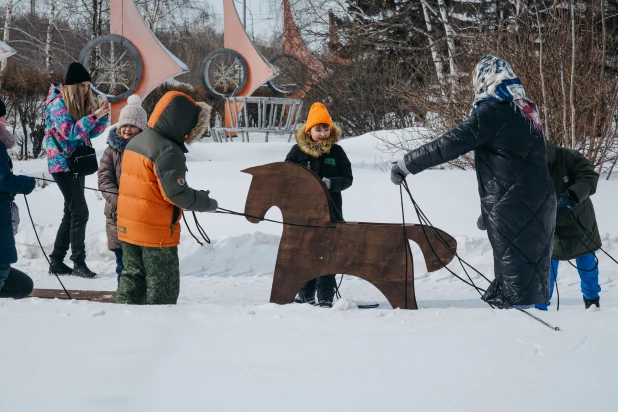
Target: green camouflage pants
[150,277]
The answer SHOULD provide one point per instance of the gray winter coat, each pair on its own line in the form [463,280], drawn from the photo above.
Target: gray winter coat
[109,181]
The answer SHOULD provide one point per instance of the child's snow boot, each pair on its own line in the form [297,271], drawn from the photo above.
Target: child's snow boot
[59,268]
[590,302]
[81,270]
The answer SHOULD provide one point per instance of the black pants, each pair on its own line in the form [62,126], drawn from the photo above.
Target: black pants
[324,286]
[119,265]
[72,230]
[17,285]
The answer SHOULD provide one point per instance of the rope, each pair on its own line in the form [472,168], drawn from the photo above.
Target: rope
[261,219]
[83,187]
[43,250]
[406,245]
[424,222]
[420,214]
[190,232]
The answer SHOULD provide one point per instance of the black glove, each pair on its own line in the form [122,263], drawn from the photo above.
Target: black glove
[399,172]
[566,202]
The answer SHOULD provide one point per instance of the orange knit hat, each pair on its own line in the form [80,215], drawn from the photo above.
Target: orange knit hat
[318,115]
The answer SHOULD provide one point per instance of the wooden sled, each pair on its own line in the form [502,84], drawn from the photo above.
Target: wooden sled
[106,296]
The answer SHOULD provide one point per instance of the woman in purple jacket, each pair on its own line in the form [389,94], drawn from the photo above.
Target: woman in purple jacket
[72,118]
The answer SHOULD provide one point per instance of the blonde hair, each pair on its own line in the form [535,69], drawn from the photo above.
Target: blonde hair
[77,106]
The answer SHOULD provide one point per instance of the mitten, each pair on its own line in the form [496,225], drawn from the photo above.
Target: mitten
[566,202]
[399,172]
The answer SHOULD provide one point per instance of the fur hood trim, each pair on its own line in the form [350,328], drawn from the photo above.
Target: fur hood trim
[115,141]
[6,137]
[203,123]
[313,149]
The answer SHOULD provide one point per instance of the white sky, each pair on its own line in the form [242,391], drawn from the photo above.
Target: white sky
[261,19]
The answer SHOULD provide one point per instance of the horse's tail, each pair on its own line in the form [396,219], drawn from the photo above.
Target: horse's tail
[438,247]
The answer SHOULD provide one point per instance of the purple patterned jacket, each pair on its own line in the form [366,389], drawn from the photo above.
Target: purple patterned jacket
[69,133]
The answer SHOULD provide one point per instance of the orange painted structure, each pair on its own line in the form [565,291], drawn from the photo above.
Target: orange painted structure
[235,37]
[159,64]
[294,45]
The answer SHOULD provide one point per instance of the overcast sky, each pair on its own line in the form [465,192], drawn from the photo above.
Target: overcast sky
[261,19]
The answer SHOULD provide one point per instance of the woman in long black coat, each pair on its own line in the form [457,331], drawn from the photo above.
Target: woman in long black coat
[518,201]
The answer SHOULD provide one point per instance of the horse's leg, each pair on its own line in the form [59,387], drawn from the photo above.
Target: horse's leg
[279,293]
[287,280]
[392,281]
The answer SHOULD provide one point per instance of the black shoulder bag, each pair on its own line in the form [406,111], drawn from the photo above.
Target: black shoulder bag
[82,161]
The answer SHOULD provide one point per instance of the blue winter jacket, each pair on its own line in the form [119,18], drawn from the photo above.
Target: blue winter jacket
[9,186]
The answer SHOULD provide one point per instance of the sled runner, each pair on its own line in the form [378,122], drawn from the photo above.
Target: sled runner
[92,295]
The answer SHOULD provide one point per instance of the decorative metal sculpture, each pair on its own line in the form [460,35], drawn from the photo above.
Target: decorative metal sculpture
[310,71]
[239,68]
[313,244]
[128,60]
[264,115]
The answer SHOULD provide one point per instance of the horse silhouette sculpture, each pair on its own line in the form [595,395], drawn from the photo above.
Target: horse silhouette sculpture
[313,244]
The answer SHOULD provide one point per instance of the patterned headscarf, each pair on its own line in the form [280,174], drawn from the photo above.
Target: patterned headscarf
[494,80]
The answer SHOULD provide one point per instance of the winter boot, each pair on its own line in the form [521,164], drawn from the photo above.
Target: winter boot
[59,268]
[81,270]
[590,302]
[304,299]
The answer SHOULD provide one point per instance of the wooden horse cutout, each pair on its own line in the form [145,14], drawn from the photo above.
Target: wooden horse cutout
[375,252]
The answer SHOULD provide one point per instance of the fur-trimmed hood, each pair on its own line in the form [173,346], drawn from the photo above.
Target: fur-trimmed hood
[313,149]
[180,119]
[203,122]
[115,141]
[6,137]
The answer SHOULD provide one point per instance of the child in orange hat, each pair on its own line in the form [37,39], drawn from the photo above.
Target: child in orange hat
[316,148]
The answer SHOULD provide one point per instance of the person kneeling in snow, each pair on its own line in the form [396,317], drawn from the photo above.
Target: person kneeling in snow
[518,200]
[577,234]
[316,149]
[132,121]
[13,283]
[153,193]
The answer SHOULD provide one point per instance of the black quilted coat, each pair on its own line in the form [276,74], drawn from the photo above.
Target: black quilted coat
[518,201]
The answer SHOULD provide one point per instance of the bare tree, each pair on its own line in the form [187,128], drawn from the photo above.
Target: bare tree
[7,27]
[572,87]
[48,42]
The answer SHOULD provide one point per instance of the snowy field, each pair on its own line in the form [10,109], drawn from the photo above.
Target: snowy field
[225,348]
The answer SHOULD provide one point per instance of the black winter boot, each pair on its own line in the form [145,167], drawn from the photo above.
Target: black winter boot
[304,299]
[81,270]
[590,302]
[59,268]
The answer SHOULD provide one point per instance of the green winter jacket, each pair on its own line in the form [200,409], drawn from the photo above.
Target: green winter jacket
[577,233]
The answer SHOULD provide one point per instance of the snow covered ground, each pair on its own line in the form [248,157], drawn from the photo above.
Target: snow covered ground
[225,348]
